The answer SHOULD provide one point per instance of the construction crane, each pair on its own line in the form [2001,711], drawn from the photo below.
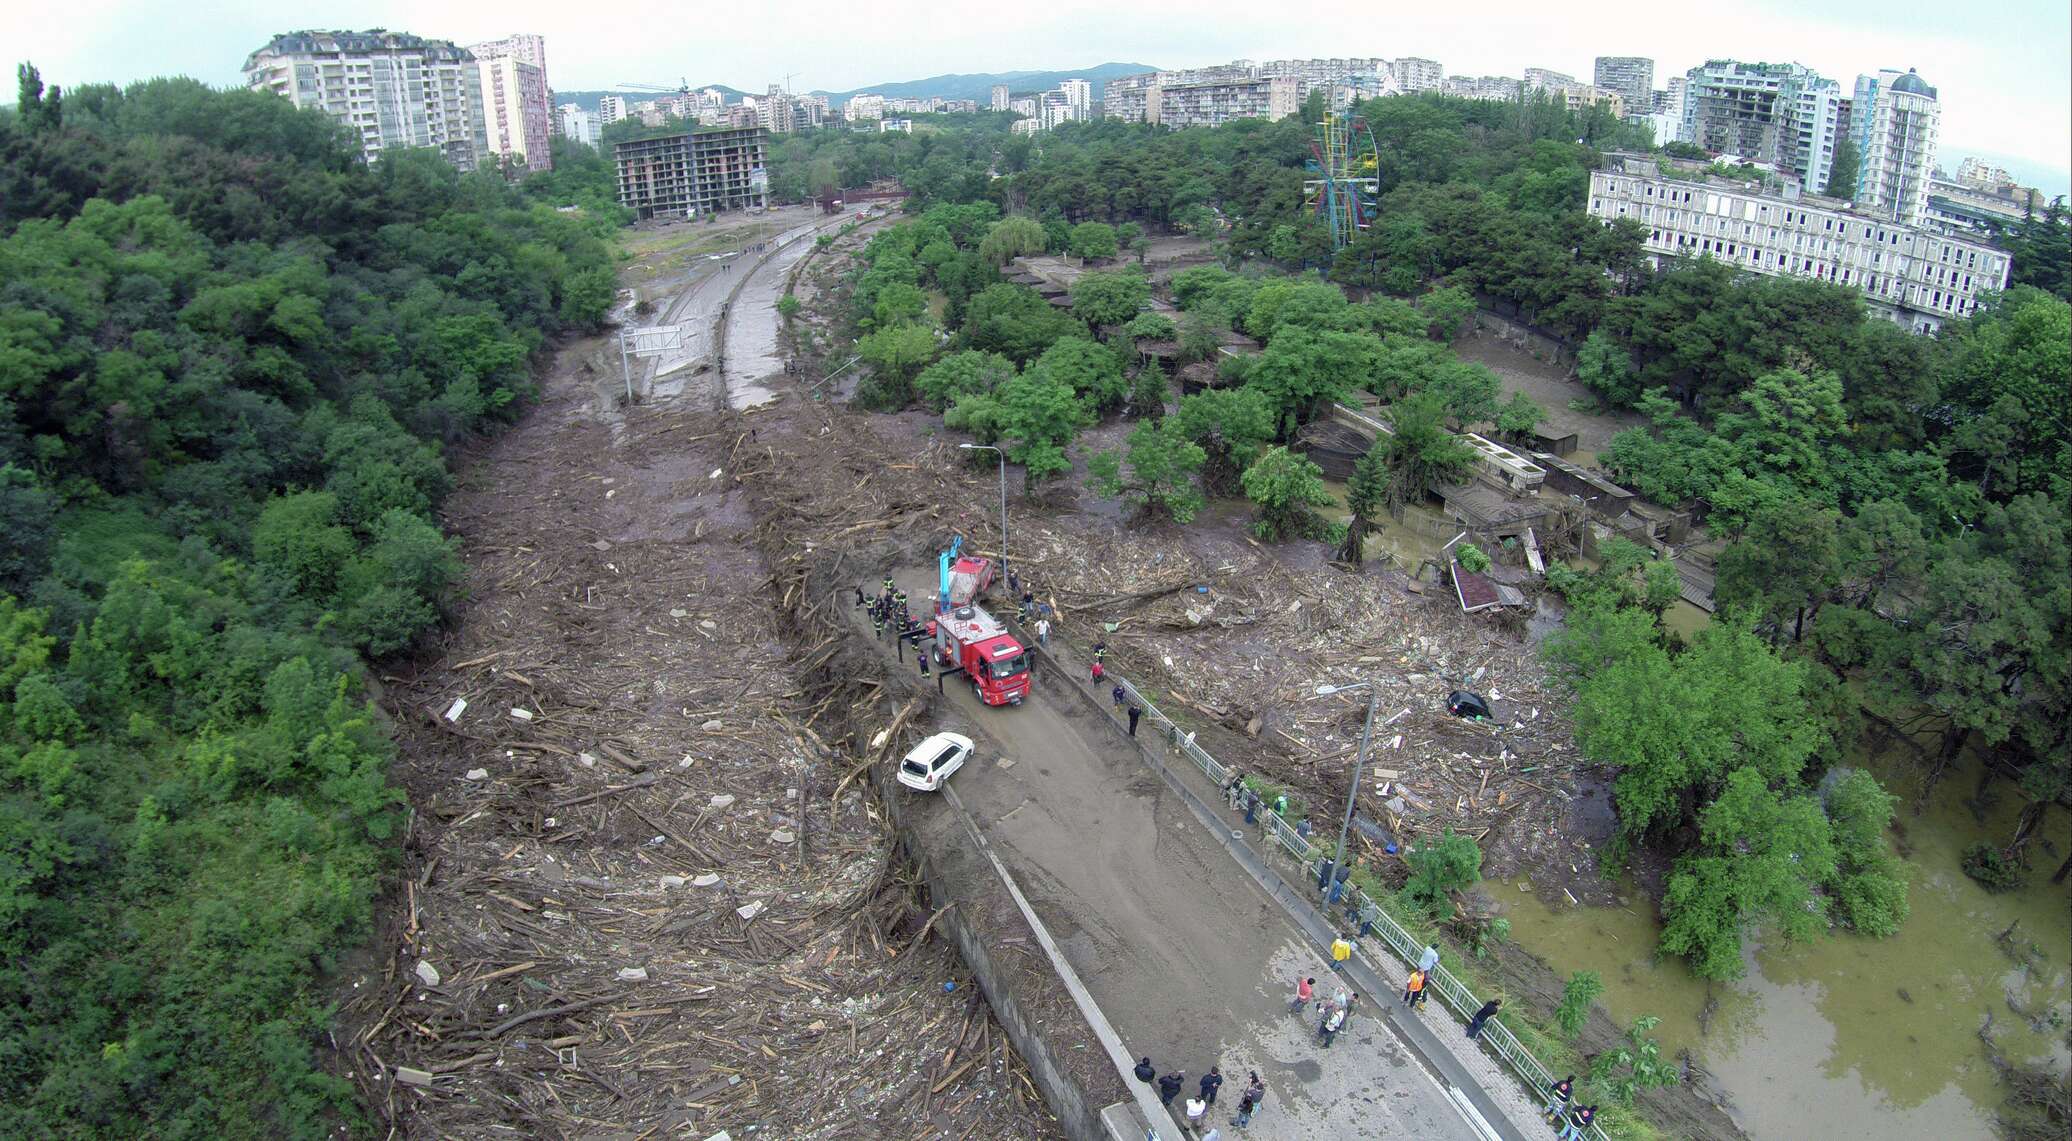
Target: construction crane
[683,87]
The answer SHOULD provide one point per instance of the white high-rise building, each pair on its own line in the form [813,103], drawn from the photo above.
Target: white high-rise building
[1079,95]
[1896,119]
[516,111]
[864,107]
[391,90]
[1541,78]
[1414,74]
[611,109]
[1001,95]
[580,125]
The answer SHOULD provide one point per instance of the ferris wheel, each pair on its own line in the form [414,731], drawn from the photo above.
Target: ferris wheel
[1344,187]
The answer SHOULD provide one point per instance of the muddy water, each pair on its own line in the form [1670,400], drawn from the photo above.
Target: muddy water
[1404,544]
[1850,1037]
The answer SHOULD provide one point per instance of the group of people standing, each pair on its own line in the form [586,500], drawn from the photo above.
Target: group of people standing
[1196,1109]
[1332,1013]
[1573,1121]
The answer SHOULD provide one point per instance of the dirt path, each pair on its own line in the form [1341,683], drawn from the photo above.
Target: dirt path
[638,906]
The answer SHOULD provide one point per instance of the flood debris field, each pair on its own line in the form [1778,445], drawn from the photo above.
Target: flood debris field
[641,893]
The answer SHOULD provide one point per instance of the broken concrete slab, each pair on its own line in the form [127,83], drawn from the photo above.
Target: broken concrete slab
[427,973]
[633,974]
[478,774]
[709,879]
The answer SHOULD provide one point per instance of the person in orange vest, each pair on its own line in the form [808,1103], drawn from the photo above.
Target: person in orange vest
[1414,989]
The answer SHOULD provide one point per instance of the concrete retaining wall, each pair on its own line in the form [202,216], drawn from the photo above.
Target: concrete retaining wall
[1078,1109]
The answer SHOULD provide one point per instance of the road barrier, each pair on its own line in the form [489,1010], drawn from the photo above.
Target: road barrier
[1297,846]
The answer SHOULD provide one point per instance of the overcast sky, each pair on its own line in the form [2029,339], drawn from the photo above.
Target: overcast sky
[2004,72]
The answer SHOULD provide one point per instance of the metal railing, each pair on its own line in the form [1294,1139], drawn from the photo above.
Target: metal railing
[1306,854]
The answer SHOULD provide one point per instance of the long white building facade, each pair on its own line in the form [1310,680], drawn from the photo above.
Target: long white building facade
[1916,277]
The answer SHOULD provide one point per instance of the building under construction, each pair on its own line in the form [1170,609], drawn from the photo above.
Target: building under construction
[682,176]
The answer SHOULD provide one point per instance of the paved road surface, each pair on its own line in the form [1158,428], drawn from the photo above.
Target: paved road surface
[1190,960]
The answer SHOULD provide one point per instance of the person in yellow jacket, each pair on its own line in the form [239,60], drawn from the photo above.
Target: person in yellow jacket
[1340,952]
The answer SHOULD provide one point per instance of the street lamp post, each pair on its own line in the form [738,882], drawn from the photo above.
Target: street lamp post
[1352,794]
[1003,495]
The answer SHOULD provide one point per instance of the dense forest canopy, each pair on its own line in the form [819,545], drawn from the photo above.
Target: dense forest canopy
[230,357]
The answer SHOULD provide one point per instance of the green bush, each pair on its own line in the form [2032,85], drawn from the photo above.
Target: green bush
[1987,864]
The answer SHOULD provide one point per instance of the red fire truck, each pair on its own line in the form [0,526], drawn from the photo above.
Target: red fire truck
[969,639]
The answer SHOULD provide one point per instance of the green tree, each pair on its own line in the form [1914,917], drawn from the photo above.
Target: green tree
[1519,416]
[896,353]
[1149,391]
[1301,368]
[1012,237]
[1038,414]
[1674,728]
[898,303]
[1087,368]
[1285,487]
[1573,1012]
[1761,856]
[1450,311]
[1438,868]
[1843,169]
[1421,454]
[969,372]
[1607,369]
[1783,567]
[1161,465]
[1151,327]
[1015,321]
[299,540]
[1093,241]
[1232,425]
[1869,888]
[788,307]
[1366,496]
[1113,298]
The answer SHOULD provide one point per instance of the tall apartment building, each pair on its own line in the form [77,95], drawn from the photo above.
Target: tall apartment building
[1215,103]
[1079,94]
[611,109]
[1540,78]
[390,89]
[580,125]
[1896,119]
[1487,88]
[864,107]
[1632,76]
[1001,95]
[1579,96]
[1784,114]
[1414,75]
[777,112]
[516,112]
[1917,277]
[527,49]
[681,176]
[1315,73]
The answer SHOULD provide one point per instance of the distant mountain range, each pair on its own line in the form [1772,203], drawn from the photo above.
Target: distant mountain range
[978,86]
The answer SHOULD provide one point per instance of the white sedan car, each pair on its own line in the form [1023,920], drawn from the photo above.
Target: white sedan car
[932,761]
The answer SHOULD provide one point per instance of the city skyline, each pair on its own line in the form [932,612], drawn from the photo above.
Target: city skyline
[2004,86]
